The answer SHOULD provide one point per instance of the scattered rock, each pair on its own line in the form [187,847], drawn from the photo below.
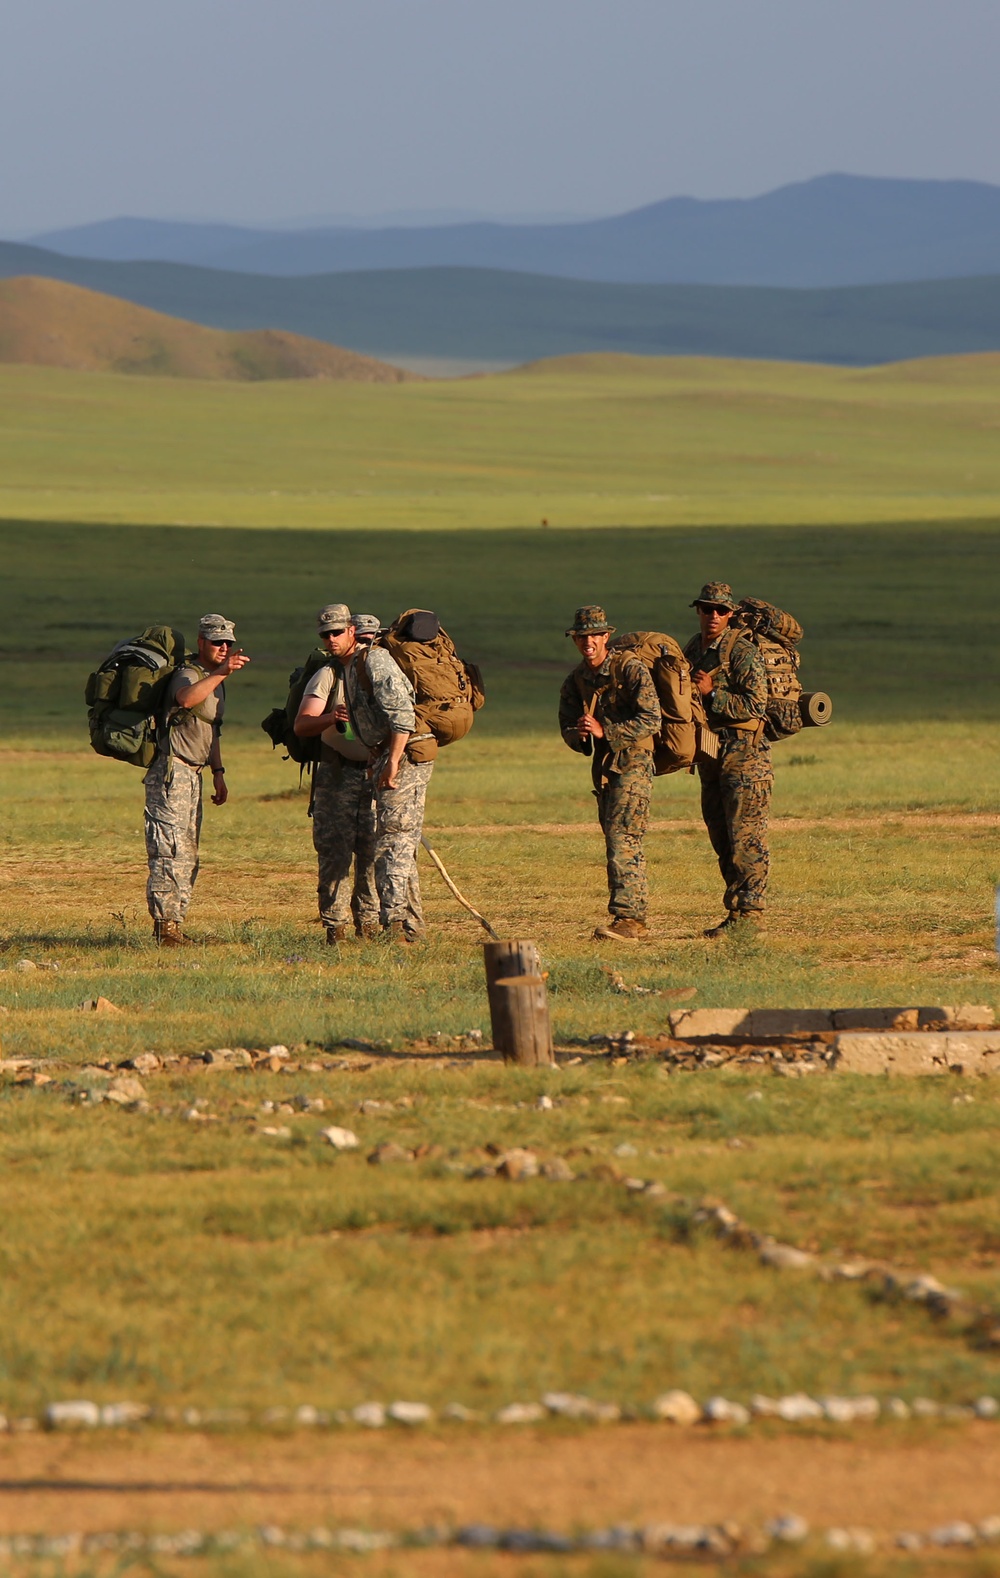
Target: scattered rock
[799,1408]
[371,1415]
[852,1542]
[785,1257]
[145,1063]
[340,1139]
[569,1405]
[115,1415]
[78,1414]
[763,1407]
[544,1104]
[677,1408]
[25,965]
[98,1005]
[387,1154]
[720,1411]
[986,1407]
[988,1529]
[896,1408]
[272,1131]
[957,1533]
[125,1090]
[403,1413]
[519,1414]
[558,1170]
[788,1530]
[517,1164]
[910,1541]
[459,1414]
[924,1408]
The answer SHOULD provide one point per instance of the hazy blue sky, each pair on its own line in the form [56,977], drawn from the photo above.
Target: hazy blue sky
[270,109]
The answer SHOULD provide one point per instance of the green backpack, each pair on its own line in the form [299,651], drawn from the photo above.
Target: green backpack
[280,721]
[124,694]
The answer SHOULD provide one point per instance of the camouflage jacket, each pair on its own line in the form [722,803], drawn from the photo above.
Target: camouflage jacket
[740,693]
[388,708]
[628,710]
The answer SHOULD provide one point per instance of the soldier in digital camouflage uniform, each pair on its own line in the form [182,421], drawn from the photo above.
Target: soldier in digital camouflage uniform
[608,710]
[735,788]
[343,797]
[187,741]
[379,704]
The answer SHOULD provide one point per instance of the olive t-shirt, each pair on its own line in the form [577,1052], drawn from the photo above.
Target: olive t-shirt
[192,733]
[328,684]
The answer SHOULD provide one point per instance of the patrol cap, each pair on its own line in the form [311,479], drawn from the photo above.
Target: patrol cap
[216,627]
[591,620]
[335,616]
[366,625]
[719,593]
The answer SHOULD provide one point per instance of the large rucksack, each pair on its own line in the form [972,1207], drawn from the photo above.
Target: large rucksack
[674,746]
[776,636]
[124,694]
[279,725]
[447,692]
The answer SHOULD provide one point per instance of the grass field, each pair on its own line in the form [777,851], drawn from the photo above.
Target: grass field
[585,441]
[152,1256]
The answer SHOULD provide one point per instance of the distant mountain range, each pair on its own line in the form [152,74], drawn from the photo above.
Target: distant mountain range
[488,316]
[832,231]
[47,323]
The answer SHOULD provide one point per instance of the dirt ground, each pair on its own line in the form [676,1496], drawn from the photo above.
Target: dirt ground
[885,1480]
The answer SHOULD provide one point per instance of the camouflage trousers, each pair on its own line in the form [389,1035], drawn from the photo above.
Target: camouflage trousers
[172,821]
[343,833]
[399,824]
[735,801]
[623,808]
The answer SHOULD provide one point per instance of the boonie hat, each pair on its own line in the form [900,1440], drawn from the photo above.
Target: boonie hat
[335,616]
[591,620]
[366,624]
[216,627]
[718,592]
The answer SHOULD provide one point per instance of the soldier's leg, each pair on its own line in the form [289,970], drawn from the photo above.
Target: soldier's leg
[746,788]
[172,823]
[400,824]
[333,840]
[624,810]
[364,899]
[714,815]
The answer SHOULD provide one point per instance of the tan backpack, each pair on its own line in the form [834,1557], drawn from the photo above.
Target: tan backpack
[447,691]
[674,746]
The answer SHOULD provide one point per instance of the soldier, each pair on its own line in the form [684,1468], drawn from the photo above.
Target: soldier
[343,798]
[187,741]
[735,787]
[608,710]
[379,707]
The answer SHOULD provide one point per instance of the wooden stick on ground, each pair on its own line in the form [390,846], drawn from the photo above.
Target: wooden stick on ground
[463,901]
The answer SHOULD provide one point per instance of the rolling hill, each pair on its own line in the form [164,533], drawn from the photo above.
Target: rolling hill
[835,230]
[483,315]
[48,323]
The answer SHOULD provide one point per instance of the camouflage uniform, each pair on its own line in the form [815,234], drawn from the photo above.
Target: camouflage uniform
[736,789]
[621,767]
[343,830]
[387,708]
[172,821]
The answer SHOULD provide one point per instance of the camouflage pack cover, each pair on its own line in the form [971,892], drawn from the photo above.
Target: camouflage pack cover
[776,635]
[674,746]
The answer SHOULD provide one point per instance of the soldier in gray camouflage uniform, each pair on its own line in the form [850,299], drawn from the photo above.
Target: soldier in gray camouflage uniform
[343,797]
[379,703]
[187,741]
[608,709]
[735,788]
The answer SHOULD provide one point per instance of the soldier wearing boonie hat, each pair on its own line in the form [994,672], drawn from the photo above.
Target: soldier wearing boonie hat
[736,783]
[188,740]
[608,709]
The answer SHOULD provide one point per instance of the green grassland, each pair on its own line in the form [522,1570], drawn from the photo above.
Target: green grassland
[211,1263]
[606,440]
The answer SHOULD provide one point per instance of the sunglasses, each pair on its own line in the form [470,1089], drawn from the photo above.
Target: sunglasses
[339,632]
[713,608]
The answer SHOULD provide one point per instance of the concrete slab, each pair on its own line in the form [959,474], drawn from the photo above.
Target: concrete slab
[923,1052]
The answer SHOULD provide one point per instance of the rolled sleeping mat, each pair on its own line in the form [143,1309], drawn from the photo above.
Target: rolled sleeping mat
[816,708]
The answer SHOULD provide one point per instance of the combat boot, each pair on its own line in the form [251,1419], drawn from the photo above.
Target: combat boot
[336,934]
[396,932]
[368,931]
[168,934]
[737,923]
[623,929]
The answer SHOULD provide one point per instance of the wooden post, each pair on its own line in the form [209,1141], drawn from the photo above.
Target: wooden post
[506,959]
[521,1008]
